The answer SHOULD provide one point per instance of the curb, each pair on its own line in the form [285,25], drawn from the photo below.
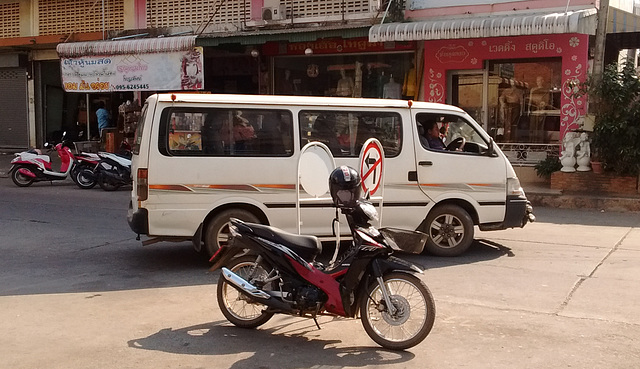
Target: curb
[577,201]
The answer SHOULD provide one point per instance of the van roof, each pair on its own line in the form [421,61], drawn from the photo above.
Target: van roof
[301,101]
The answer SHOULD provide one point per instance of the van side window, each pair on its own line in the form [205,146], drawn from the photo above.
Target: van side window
[453,129]
[226,132]
[346,132]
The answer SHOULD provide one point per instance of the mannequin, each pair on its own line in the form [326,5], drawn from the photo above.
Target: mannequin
[345,85]
[392,89]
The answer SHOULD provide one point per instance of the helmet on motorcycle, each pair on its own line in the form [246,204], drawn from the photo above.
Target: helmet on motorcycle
[344,186]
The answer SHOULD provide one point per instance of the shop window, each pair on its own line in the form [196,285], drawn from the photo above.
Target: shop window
[346,132]
[382,75]
[226,132]
[524,101]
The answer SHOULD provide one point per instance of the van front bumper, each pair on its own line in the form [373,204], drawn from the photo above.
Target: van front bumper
[138,220]
[519,212]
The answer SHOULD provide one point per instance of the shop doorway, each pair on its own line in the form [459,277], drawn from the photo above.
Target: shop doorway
[467,90]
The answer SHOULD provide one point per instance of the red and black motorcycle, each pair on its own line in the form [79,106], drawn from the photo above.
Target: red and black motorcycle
[267,271]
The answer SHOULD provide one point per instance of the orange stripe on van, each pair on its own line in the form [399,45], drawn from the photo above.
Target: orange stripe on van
[169,187]
[277,186]
[226,187]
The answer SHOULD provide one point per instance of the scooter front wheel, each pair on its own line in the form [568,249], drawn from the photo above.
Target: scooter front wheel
[235,306]
[20,179]
[84,178]
[408,322]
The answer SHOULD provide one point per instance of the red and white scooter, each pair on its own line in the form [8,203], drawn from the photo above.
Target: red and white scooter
[32,166]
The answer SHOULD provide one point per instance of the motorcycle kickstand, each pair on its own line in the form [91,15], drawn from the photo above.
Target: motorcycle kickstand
[316,314]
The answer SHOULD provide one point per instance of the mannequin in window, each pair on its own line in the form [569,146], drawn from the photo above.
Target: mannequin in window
[288,87]
[345,85]
[369,82]
[510,110]
[538,103]
[392,89]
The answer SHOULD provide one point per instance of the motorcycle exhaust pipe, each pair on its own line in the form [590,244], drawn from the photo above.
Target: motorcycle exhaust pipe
[252,291]
[243,285]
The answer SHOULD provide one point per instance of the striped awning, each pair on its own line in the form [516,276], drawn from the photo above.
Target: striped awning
[511,24]
[137,46]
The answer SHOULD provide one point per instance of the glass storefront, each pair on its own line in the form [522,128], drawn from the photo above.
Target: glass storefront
[379,75]
[515,101]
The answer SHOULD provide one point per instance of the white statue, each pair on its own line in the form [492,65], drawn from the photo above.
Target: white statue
[583,156]
[567,157]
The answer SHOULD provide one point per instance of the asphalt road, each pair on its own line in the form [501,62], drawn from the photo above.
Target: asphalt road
[78,291]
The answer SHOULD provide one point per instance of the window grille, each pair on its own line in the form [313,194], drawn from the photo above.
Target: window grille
[176,13]
[9,20]
[75,16]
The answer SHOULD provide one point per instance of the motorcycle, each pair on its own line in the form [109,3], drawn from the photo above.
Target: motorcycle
[33,166]
[113,171]
[265,271]
[82,172]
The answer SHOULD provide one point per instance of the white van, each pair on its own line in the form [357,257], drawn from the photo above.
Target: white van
[199,159]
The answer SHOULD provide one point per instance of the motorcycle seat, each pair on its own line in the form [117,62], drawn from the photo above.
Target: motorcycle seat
[307,247]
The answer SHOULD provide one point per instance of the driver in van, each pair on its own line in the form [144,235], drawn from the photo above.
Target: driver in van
[432,135]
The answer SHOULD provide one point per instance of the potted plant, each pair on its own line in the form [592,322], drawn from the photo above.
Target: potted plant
[616,133]
[546,167]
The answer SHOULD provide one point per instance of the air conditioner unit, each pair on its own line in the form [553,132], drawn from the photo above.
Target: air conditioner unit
[273,10]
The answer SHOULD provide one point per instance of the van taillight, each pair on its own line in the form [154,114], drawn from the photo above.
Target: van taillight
[142,184]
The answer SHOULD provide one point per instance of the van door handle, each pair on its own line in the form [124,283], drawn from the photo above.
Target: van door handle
[425,163]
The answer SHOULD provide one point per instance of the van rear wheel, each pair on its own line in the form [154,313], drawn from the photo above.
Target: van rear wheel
[217,229]
[450,230]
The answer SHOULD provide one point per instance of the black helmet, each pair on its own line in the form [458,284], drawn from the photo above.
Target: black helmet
[344,186]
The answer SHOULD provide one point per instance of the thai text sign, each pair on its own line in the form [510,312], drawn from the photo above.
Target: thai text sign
[176,70]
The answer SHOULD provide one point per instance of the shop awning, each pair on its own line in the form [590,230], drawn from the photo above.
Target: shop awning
[262,36]
[620,21]
[119,47]
[511,24]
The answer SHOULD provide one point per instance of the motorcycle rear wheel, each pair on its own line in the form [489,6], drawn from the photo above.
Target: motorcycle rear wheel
[20,179]
[235,306]
[414,316]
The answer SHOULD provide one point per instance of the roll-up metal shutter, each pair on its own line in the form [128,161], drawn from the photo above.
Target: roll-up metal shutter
[14,119]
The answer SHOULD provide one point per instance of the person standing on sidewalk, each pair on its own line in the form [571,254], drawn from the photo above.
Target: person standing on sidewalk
[104,117]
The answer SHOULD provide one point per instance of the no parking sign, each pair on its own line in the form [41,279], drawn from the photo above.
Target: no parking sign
[371,165]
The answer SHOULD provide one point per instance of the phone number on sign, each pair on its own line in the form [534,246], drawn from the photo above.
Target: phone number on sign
[131,87]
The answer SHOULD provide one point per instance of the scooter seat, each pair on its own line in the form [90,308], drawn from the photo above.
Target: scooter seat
[307,247]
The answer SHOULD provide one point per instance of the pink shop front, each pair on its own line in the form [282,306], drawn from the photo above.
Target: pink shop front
[521,88]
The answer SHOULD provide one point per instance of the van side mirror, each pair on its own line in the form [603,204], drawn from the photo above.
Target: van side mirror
[491,151]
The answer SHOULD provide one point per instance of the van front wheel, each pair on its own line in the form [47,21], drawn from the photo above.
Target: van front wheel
[450,230]
[217,229]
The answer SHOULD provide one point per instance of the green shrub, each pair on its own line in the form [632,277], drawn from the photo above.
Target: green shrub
[545,167]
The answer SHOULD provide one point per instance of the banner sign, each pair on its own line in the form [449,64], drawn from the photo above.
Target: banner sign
[175,70]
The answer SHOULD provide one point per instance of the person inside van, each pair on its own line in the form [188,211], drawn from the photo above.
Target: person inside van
[210,133]
[432,139]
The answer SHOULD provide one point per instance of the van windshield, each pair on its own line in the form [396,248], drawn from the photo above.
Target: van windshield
[137,138]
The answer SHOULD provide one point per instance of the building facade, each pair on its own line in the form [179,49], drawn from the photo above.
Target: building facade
[512,64]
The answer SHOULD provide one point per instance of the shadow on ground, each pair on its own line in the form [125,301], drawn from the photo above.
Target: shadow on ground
[277,346]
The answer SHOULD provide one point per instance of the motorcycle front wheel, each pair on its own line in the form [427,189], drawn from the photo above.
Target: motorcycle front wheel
[84,178]
[20,179]
[411,319]
[235,306]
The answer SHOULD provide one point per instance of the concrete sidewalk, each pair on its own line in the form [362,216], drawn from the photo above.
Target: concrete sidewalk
[538,194]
